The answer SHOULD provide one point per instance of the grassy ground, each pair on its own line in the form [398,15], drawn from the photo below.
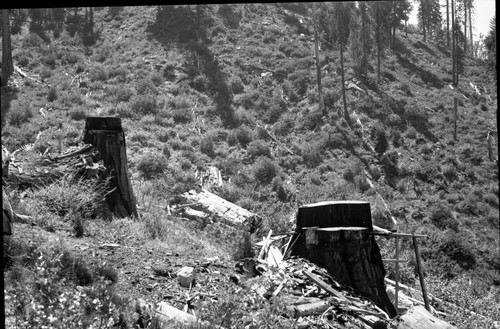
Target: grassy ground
[190,98]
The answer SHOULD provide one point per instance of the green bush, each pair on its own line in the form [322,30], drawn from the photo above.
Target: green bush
[311,155]
[144,104]
[390,164]
[52,94]
[265,170]
[201,83]
[152,165]
[119,72]
[145,86]
[207,146]
[70,199]
[236,85]
[77,113]
[19,113]
[443,218]
[242,135]
[284,126]
[381,143]
[312,120]
[450,172]
[98,73]
[374,172]
[362,183]
[258,148]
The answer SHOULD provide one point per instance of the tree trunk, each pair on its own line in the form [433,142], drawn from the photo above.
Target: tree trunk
[453,50]
[7,64]
[107,136]
[455,69]
[377,15]
[91,22]
[350,256]
[447,23]
[471,43]
[346,113]
[362,6]
[393,36]
[465,27]
[318,65]
[424,16]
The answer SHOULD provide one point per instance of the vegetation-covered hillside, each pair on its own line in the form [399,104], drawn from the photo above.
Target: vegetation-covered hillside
[235,87]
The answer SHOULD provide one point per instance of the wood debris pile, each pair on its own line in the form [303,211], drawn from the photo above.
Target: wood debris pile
[26,169]
[313,299]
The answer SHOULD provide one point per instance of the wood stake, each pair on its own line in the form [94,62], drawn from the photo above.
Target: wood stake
[421,275]
[264,246]
[397,274]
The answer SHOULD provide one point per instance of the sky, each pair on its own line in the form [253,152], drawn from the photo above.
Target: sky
[484,12]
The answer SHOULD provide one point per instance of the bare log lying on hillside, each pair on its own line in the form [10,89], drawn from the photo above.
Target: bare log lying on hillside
[419,318]
[204,202]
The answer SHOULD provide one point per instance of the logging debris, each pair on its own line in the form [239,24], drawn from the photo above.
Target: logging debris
[203,205]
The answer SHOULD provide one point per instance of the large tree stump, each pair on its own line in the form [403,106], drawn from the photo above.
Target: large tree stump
[350,255]
[107,136]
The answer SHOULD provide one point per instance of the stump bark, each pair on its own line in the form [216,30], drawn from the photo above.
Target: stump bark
[350,255]
[107,137]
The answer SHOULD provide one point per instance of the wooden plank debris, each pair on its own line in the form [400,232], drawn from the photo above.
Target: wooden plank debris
[265,245]
[323,285]
[310,309]
[336,229]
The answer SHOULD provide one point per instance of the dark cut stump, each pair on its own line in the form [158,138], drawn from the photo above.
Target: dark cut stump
[106,135]
[351,257]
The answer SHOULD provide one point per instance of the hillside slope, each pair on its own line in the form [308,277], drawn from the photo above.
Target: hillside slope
[234,86]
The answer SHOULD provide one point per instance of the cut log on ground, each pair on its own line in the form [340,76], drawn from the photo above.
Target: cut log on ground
[220,209]
[168,316]
[418,317]
[309,309]
[107,137]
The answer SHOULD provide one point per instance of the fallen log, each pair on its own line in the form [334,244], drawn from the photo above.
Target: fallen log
[418,317]
[168,316]
[221,209]
[309,309]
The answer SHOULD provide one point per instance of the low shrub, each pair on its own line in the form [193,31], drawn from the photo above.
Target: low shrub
[390,164]
[98,73]
[52,94]
[265,170]
[236,85]
[258,148]
[77,113]
[311,154]
[19,113]
[243,135]
[375,172]
[144,104]
[207,146]
[71,198]
[397,139]
[152,165]
[442,216]
[145,86]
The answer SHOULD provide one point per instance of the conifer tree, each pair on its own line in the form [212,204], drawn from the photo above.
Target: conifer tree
[7,64]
